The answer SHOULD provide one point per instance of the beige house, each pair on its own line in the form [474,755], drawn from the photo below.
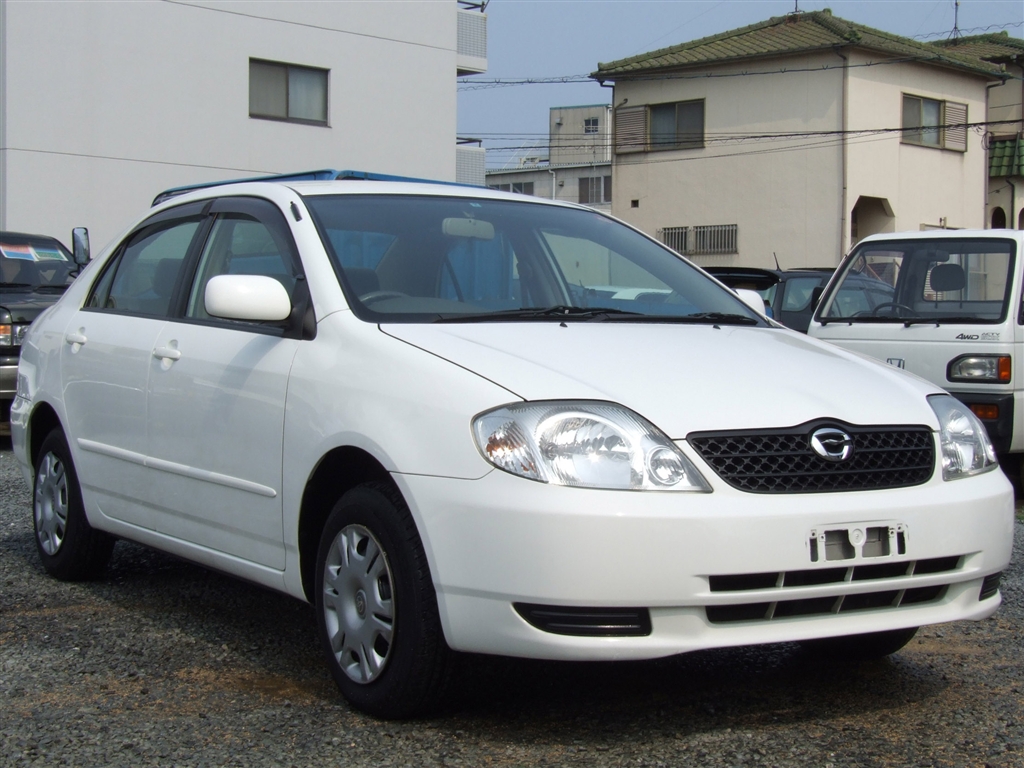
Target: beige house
[1004,135]
[796,137]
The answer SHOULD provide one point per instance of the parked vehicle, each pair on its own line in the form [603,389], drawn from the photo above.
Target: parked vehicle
[410,405]
[943,305]
[35,270]
[788,294]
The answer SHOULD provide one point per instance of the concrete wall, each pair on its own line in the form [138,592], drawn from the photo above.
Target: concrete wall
[569,142]
[105,104]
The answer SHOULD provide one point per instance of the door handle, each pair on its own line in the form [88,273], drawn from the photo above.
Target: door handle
[76,337]
[166,353]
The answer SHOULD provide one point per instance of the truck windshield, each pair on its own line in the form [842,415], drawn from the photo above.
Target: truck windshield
[29,263]
[923,281]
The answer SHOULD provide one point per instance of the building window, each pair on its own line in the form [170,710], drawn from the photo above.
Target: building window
[934,123]
[520,187]
[595,189]
[706,240]
[287,92]
[677,126]
[590,125]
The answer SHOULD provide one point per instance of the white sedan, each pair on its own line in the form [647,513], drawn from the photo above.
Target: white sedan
[411,405]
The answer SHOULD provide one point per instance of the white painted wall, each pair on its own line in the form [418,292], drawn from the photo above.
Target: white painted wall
[105,104]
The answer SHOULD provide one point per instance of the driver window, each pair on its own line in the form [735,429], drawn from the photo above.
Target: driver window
[238,245]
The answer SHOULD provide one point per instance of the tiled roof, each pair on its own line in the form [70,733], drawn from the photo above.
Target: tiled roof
[785,35]
[1006,157]
[999,47]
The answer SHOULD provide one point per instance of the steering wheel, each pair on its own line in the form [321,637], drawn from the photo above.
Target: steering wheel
[895,305]
[372,296]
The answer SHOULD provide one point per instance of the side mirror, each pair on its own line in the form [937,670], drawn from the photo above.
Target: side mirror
[247,297]
[80,245]
[753,300]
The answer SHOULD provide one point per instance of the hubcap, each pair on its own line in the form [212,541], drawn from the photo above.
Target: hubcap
[50,506]
[359,606]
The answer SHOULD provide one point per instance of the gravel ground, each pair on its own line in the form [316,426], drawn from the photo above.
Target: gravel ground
[164,663]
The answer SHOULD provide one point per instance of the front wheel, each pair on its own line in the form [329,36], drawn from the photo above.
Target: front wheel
[71,550]
[873,645]
[376,606]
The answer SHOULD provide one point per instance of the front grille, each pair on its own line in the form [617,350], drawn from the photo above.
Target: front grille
[783,605]
[782,460]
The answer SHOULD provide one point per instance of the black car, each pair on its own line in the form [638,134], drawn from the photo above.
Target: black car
[788,294]
[35,270]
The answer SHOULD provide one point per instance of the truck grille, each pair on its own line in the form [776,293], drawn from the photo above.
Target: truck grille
[782,460]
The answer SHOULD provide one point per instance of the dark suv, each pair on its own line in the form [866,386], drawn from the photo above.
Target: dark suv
[35,270]
[789,294]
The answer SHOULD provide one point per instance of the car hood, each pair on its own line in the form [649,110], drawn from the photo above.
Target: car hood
[683,378]
[25,306]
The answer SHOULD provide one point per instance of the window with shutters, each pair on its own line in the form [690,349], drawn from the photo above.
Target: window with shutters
[595,189]
[934,123]
[649,128]
[287,92]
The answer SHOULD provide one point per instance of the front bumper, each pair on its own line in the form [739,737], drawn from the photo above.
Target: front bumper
[503,540]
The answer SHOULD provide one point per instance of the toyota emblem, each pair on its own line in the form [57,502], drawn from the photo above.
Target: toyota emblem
[832,444]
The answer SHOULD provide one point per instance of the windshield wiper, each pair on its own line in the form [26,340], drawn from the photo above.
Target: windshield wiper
[714,318]
[15,285]
[557,312]
[940,320]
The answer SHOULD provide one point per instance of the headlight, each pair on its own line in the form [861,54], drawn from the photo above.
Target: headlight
[6,336]
[584,444]
[980,368]
[966,449]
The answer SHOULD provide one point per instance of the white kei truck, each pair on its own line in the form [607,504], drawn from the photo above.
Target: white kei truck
[945,305]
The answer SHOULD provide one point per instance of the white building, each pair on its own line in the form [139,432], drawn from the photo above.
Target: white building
[578,163]
[105,104]
[796,137]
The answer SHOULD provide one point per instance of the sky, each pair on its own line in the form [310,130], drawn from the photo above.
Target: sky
[561,38]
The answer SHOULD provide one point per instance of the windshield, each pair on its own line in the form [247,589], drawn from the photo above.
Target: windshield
[448,259]
[34,262]
[924,281]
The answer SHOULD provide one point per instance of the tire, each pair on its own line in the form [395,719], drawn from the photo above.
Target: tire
[874,645]
[70,549]
[376,606]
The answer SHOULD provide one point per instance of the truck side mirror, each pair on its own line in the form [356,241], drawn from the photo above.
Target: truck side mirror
[80,245]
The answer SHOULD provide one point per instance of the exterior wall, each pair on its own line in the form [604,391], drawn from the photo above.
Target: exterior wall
[569,142]
[924,186]
[565,180]
[134,97]
[783,193]
[1005,102]
[1006,193]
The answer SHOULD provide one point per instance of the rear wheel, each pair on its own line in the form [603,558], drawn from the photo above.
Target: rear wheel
[71,550]
[873,645]
[376,606]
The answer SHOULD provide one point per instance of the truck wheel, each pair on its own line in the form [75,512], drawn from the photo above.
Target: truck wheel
[376,606]
[71,550]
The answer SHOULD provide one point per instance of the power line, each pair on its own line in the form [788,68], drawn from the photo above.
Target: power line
[479,85]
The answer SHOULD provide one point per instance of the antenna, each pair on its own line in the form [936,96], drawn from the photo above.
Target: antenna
[776,261]
[955,34]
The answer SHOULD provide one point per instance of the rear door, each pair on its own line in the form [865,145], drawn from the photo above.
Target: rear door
[106,361]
